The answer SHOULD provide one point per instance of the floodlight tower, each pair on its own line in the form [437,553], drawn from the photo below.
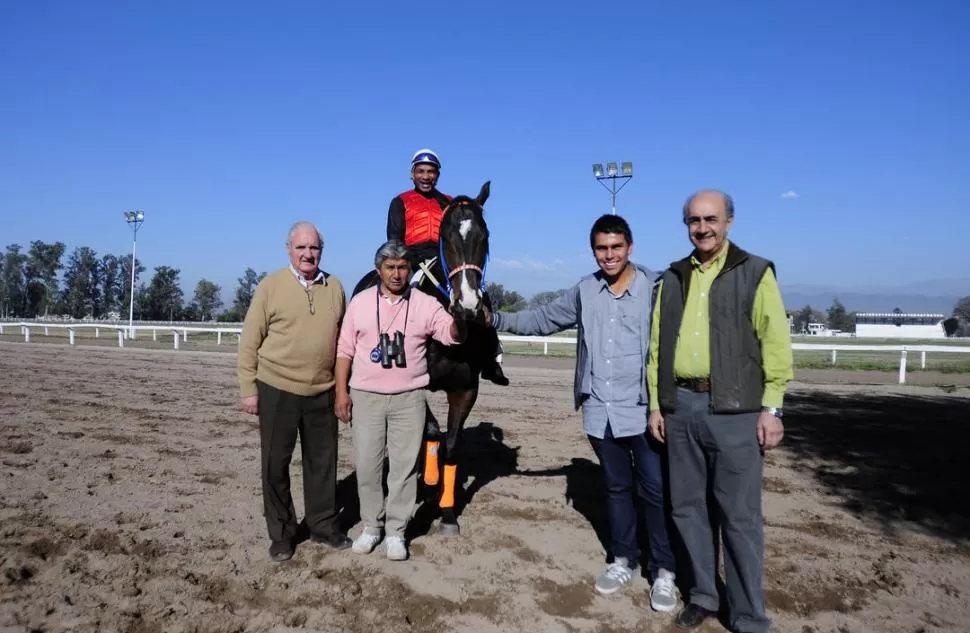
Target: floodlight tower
[623,175]
[134,219]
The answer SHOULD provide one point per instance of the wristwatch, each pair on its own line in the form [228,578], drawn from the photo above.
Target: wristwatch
[778,413]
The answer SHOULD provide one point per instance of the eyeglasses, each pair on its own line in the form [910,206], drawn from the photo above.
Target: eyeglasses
[309,298]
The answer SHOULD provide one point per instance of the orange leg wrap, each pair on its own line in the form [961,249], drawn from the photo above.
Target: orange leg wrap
[448,493]
[431,463]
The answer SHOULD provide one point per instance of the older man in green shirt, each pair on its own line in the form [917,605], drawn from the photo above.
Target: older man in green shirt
[720,360]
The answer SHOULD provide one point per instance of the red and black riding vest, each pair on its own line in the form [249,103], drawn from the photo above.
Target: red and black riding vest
[422,218]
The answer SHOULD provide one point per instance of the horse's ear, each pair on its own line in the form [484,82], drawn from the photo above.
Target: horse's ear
[483,194]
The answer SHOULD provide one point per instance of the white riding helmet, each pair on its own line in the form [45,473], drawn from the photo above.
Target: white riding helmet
[425,157]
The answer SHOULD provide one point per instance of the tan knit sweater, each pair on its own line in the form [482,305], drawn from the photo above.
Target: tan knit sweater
[285,346]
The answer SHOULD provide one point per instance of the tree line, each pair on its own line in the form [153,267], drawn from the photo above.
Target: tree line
[511,301]
[835,318]
[38,282]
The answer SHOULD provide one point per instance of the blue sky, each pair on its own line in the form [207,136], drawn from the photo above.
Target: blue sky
[227,121]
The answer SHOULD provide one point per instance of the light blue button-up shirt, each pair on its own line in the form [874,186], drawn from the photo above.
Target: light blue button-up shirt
[610,381]
[616,359]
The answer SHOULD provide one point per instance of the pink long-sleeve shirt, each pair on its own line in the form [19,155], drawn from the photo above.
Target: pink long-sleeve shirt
[359,336]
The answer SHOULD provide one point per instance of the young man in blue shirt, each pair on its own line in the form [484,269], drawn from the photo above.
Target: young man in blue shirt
[611,310]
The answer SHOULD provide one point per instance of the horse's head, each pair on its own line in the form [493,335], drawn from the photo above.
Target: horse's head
[464,253]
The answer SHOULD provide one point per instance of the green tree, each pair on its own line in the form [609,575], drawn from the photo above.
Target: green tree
[163,296]
[81,296]
[802,318]
[807,315]
[504,300]
[206,300]
[514,302]
[34,298]
[543,298]
[839,318]
[496,292]
[43,262]
[961,314]
[244,293]
[110,280]
[123,284]
[13,282]
[962,309]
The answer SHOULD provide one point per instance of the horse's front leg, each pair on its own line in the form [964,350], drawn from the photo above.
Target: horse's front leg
[460,404]
[432,446]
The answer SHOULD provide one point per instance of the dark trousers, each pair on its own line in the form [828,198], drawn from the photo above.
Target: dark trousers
[628,463]
[281,416]
[717,459]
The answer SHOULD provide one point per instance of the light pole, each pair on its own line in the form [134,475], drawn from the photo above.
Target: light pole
[624,176]
[134,220]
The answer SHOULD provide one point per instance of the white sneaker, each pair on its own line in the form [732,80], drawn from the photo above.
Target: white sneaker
[663,593]
[367,541]
[614,578]
[396,548]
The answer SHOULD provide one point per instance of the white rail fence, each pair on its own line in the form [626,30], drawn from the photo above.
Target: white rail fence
[123,332]
[180,333]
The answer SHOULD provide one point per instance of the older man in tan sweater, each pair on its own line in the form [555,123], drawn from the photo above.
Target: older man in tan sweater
[286,363]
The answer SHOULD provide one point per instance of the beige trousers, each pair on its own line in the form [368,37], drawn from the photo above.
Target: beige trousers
[392,426]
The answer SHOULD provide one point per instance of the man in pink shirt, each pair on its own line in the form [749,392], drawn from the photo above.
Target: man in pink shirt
[382,379]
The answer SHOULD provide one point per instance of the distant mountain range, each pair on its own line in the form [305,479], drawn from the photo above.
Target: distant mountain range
[934,296]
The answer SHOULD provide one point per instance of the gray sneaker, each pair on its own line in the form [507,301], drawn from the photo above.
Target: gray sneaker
[614,578]
[663,593]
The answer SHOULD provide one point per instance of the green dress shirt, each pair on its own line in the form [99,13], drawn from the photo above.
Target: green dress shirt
[692,358]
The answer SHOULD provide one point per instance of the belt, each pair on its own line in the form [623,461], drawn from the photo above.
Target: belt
[699,385]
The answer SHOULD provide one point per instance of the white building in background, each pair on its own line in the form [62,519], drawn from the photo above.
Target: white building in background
[898,324]
[818,329]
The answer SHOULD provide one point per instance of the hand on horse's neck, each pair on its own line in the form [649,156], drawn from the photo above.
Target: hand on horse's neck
[621,282]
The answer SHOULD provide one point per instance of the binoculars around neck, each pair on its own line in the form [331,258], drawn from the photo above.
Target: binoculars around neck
[392,350]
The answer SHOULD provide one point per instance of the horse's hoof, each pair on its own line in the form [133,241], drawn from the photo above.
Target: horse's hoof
[449,529]
[496,375]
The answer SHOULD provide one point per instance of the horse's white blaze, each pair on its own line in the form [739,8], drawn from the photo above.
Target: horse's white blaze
[464,227]
[469,298]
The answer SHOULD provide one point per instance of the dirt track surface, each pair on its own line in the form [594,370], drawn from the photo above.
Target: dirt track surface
[129,501]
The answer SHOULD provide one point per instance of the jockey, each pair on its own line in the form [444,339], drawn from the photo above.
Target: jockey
[414,217]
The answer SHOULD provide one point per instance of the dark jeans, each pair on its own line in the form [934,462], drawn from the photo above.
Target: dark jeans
[715,460]
[628,462]
[281,416]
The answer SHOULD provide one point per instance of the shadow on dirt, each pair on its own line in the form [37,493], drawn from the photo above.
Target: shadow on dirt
[585,492]
[888,457]
[485,457]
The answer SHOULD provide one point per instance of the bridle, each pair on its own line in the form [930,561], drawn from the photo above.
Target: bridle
[450,274]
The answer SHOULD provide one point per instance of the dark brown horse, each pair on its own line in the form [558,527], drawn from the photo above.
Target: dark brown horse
[457,280]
